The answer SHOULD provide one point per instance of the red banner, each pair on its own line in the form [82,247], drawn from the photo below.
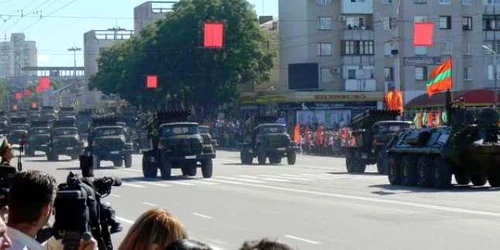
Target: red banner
[19,95]
[423,34]
[27,92]
[44,83]
[213,35]
[152,82]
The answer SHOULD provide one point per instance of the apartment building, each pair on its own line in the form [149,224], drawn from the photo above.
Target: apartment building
[491,31]
[17,54]
[149,12]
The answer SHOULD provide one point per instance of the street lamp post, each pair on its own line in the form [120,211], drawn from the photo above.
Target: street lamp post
[74,50]
[495,70]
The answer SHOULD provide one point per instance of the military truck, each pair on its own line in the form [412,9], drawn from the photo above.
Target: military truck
[4,123]
[64,140]
[38,137]
[207,138]
[66,112]
[264,138]
[372,130]
[108,140]
[176,143]
[18,130]
[467,147]
[48,113]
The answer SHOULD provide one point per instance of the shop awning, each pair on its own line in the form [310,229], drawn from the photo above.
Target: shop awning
[474,97]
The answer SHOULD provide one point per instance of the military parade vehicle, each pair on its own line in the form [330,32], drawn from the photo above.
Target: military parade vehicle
[18,130]
[129,116]
[48,113]
[33,114]
[207,137]
[264,138]
[176,143]
[372,130]
[108,140]
[66,112]
[38,137]
[4,123]
[83,118]
[64,140]
[467,147]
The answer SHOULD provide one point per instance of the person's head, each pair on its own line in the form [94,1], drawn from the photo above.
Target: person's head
[5,242]
[265,244]
[188,244]
[154,230]
[31,198]
[5,150]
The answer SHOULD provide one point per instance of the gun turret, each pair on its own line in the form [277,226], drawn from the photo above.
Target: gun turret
[371,116]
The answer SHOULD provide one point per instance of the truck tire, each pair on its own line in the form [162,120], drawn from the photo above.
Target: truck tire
[149,169]
[261,158]
[424,171]
[394,170]
[359,164]
[442,173]
[409,170]
[165,169]
[207,168]
[494,177]
[189,169]
[128,161]
[291,157]
[97,161]
[118,163]
[478,179]
[462,177]
[246,157]
[382,162]
[349,163]
[52,156]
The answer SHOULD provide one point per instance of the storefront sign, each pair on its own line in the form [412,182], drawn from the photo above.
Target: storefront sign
[327,105]
[341,97]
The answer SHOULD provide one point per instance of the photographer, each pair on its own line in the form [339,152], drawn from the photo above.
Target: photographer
[31,201]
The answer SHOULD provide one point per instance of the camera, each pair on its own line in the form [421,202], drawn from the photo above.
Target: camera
[79,212]
[6,174]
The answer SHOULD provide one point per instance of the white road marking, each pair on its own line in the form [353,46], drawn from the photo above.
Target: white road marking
[132,170]
[202,216]
[274,179]
[207,182]
[262,177]
[154,184]
[239,179]
[182,183]
[125,220]
[292,177]
[302,239]
[115,195]
[150,204]
[230,182]
[375,200]
[132,185]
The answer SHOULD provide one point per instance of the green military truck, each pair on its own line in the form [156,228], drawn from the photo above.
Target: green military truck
[264,138]
[38,137]
[18,130]
[176,143]
[108,140]
[64,140]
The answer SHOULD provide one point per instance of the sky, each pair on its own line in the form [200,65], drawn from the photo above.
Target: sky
[63,23]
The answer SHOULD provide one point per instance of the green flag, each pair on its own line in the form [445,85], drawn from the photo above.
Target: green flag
[415,121]
[424,119]
[444,117]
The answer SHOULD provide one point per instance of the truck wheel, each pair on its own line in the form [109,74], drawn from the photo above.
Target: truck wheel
[165,169]
[128,161]
[189,169]
[478,179]
[424,171]
[462,177]
[359,164]
[394,170]
[97,161]
[52,156]
[275,159]
[494,178]
[409,170]
[442,173]
[207,168]
[246,157]
[349,163]
[291,158]
[118,163]
[261,158]
[149,169]
[382,162]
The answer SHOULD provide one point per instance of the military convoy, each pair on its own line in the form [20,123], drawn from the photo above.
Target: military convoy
[108,140]
[64,140]
[176,143]
[38,137]
[267,139]
[468,148]
[18,130]
[372,130]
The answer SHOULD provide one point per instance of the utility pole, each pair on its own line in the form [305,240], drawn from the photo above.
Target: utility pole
[74,50]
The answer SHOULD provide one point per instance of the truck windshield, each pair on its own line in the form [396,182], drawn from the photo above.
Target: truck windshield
[395,127]
[64,131]
[204,130]
[39,131]
[18,127]
[107,132]
[179,130]
[272,129]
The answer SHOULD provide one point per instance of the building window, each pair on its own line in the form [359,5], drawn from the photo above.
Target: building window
[323,2]
[420,1]
[368,48]
[447,48]
[420,73]
[325,49]
[326,75]
[490,2]
[351,74]
[491,72]
[467,23]
[350,48]
[387,23]
[389,74]
[466,2]
[445,22]
[468,49]
[444,1]
[491,22]
[468,73]
[387,1]
[419,19]
[325,23]
[358,47]
[420,50]
[387,49]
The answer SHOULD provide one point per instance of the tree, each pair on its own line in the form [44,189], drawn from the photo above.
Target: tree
[173,50]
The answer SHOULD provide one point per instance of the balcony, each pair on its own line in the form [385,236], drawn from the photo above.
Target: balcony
[360,85]
[357,7]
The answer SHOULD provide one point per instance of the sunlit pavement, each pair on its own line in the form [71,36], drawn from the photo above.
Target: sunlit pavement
[312,205]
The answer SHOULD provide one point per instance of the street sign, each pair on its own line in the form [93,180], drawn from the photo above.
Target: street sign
[422,60]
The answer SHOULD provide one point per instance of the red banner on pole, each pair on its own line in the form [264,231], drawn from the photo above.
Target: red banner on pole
[27,92]
[152,82]
[19,95]
[38,88]
[213,35]
[44,83]
[423,34]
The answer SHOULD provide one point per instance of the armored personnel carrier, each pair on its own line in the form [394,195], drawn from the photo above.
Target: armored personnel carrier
[467,148]
[108,140]
[264,138]
[372,130]
[176,143]
[38,137]
[64,140]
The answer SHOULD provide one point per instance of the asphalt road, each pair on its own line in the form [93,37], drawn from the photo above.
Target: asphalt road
[312,205]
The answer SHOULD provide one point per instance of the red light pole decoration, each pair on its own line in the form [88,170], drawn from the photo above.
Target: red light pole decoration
[27,92]
[44,83]
[213,35]
[19,95]
[152,82]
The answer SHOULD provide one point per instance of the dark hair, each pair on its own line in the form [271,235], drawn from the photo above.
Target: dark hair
[265,244]
[188,244]
[29,193]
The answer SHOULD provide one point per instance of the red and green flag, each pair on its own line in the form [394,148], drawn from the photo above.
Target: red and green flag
[441,78]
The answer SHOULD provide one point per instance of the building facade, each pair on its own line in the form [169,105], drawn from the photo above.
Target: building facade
[150,12]
[17,54]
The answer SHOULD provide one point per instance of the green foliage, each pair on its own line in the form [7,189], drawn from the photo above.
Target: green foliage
[188,73]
